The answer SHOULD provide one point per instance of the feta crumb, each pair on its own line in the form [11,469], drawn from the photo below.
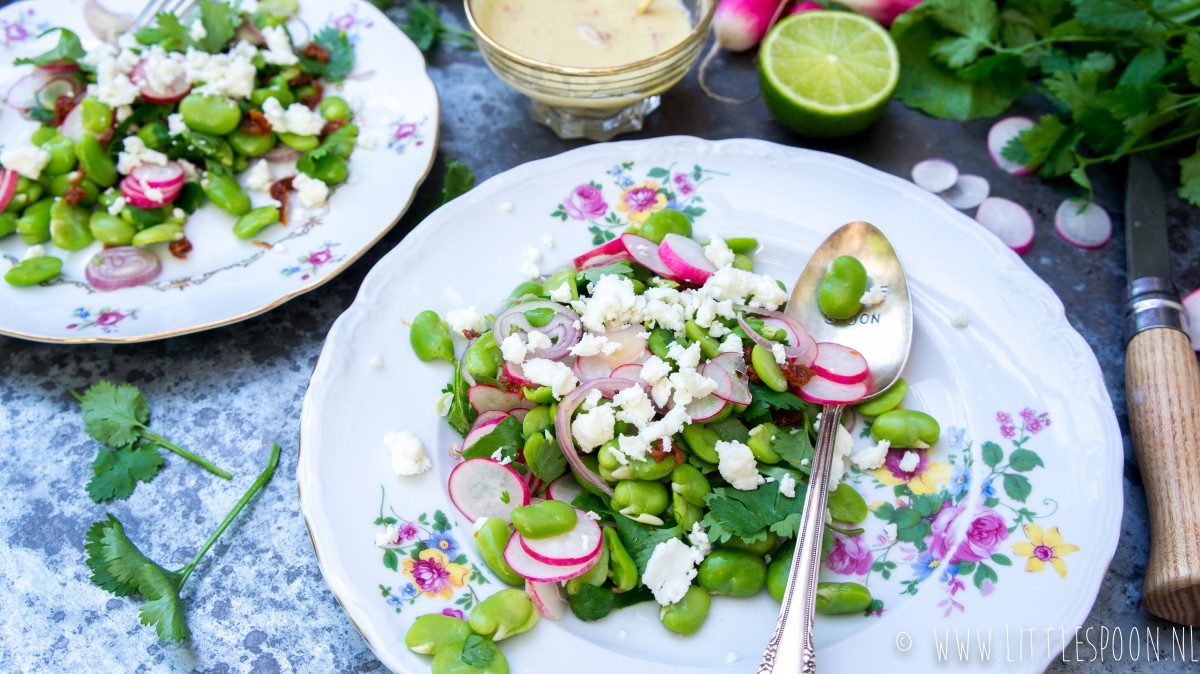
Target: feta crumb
[135,153]
[258,176]
[312,192]
[871,457]
[477,525]
[843,444]
[279,249]
[279,47]
[550,373]
[561,293]
[635,405]
[787,485]
[376,362]
[34,251]
[197,32]
[737,465]
[779,353]
[499,457]
[686,358]
[462,320]
[538,341]
[718,253]
[743,287]
[408,454]
[117,205]
[593,428]
[691,385]
[959,319]
[26,160]
[388,537]
[670,570]
[506,207]
[654,370]
[909,462]
[876,295]
[513,348]
[297,118]
[613,305]
[548,241]
[529,267]
[732,344]
[592,399]
[699,539]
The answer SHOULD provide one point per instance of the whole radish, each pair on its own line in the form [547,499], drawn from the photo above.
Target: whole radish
[806,6]
[742,24]
[883,11]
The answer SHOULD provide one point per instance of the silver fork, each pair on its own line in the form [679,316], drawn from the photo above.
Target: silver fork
[153,8]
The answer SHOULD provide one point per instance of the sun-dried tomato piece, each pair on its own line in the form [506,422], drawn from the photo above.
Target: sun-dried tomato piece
[63,105]
[315,52]
[280,191]
[180,248]
[311,100]
[331,126]
[471,333]
[255,124]
[74,195]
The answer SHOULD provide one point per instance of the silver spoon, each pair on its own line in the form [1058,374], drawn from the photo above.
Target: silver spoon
[883,335]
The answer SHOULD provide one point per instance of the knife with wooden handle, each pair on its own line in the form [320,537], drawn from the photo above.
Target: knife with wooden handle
[1162,390]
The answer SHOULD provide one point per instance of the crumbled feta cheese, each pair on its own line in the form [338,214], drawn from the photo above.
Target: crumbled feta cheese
[787,485]
[665,307]
[513,348]
[462,320]
[34,251]
[635,405]
[376,363]
[745,287]
[670,570]
[279,47]
[561,293]
[408,454]
[161,70]
[232,74]
[843,444]
[388,537]
[592,399]
[636,446]
[779,353]
[959,319]
[312,192]
[686,358]
[154,194]
[548,241]
[699,539]
[871,458]
[297,118]
[500,457]
[691,385]
[876,295]
[175,125]
[661,392]
[538,341]
[732,344]
[718,253]
[613,305]
[477,525]
[593,428]
[737,465]
[506,207]
[117,205]
[909,462]
[550,373]
[592,344]
[654,370]
[258,177]
[123,112]
[197,32]
[26,160]
[113,87]
[529,267]
[135,154]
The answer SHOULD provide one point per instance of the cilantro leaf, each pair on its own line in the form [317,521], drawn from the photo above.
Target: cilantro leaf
[461,413]
[163,609]
[459,180]
[641,539]
[795,448]
[1112,15]
[1191,57]
[116,472]
[68,49]
[97,544]
[593,603]
[114,415]
[220,22]
[751,514]
[166,32]
[507,433]
[1049,143]
[341,56]
[478,652]
[424,26]
[592,275]
[549,463]
[1189,179]
[764,399]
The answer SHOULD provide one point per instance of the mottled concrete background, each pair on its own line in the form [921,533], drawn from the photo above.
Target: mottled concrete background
[259,604]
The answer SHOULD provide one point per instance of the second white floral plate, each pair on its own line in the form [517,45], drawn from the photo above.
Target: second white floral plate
[1007,524]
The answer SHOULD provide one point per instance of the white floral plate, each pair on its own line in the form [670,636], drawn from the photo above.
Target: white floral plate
[1007,524]
[226,279]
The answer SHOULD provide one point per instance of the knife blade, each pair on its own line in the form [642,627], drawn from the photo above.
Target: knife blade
[1162,392]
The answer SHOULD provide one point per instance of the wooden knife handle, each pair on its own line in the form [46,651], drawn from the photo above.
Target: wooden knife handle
[1162,390]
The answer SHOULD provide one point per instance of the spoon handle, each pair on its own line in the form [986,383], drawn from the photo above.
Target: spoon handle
[791,646]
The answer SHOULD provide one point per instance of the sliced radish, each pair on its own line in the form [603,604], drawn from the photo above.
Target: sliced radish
[729,371]
[1083,223]
[535,484]
[477,488]
[706,408]
[56,87]
[601,260]
[479,432]
[170,92]
[72,126]
[122,267]
[1191,317]
[107,25]
[1009,221]
[645,253]
[825,392]
[630,371]
[519,413]
[168,175]
[489,417]
[531,569]
[934,175]
[572,547]
[605,249]
[548,598]
[8,186]
[564,489]
[1000,135]
[27,91]
[484,397]
[840,364]
[967,192]
[685,258]
[516,374]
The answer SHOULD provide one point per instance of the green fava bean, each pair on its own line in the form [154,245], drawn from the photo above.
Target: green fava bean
[709,346]
[843,285]
[96,163]
[334,107]
[544,519]
[886,401]
[542,395]
[527,288]
[475,655]
[34,223]
[61,184]
[742,245]
[491,539]
[62,155]
[847,505]
[767,369]
[96,117]
[532,453]
[253,222]
[251,144]
[559,278]
[27,192]
[686,615]
[432,632]
[611,468]
[650,469]
[8,224]
[537,420]
[685,513]
[839,598]
[430,337]
[297,142]
[594,576]
[634,498]
[621,568]
[155,135]
[762,437]
[33,271]
[906,428]
[226,193]
[143,217]
[504,614]
[688,482]
[214,148]
[306,92]
[483,359]
[664,222]
[329,169]
[734,573]
[42,134]
[110,229]
[279,93]
[743,262]
[759,548]
[158,234]
[659,342]
[702,441]
[69,226]
[779,570]
[217,115]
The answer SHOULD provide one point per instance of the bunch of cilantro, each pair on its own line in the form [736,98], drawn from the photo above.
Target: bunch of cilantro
[1123,76]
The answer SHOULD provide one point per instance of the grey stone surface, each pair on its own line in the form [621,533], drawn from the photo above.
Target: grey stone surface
[258,603]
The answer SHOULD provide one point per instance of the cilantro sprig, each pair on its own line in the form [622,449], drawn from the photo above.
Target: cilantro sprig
[68,50]
[120,568]
[424,26]
[116,416]
[340,61]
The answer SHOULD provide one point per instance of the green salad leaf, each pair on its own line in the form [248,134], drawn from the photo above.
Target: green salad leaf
[116,471]
[68,49]
[340,61]
[505,434]
[751,514]
[220,21]
[167,32]
[461,413]
[459,180]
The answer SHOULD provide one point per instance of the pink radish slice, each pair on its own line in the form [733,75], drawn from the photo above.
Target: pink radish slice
[685,258]
[1009,221]
[166,176]
[645,253]
[1191,317]
[170,93]
[121,267]
[934,175]
[488,418]
[967,192]
[741,24]
[601,260]
[840,364]
[479,431]
[590,368]
[484,397]
[729,371]
[825,392]
[477,488]
[706,408]
[1082,223]
[564,489]
[548,598]
[56,87]
[72,126]
[107,25]
[603,250]
[535,485]
[517,374]
[806,6]
[519,413]
[630,371]
[1000,135]
[8,186]
[572,547]
[531,569]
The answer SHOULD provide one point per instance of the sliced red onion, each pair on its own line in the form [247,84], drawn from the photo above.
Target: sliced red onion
[563,329]
[1083,223]
[629,371]
[282,153]
[122,267]
[935,175]
[106,24]
[733,385]
[8,186]
[248,32]
[608,387]
[803,351]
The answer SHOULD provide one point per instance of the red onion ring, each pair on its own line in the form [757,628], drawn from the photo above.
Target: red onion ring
[609,387]
[561,329]
[805,349]
[122,267]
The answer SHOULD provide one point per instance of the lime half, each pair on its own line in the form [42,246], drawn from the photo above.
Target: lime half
[828,73]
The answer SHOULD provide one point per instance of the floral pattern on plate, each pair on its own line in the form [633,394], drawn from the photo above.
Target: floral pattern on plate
[23,27]
[310,264]
[106,319]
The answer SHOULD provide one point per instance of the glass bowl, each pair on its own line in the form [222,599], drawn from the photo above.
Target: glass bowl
[596,103]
